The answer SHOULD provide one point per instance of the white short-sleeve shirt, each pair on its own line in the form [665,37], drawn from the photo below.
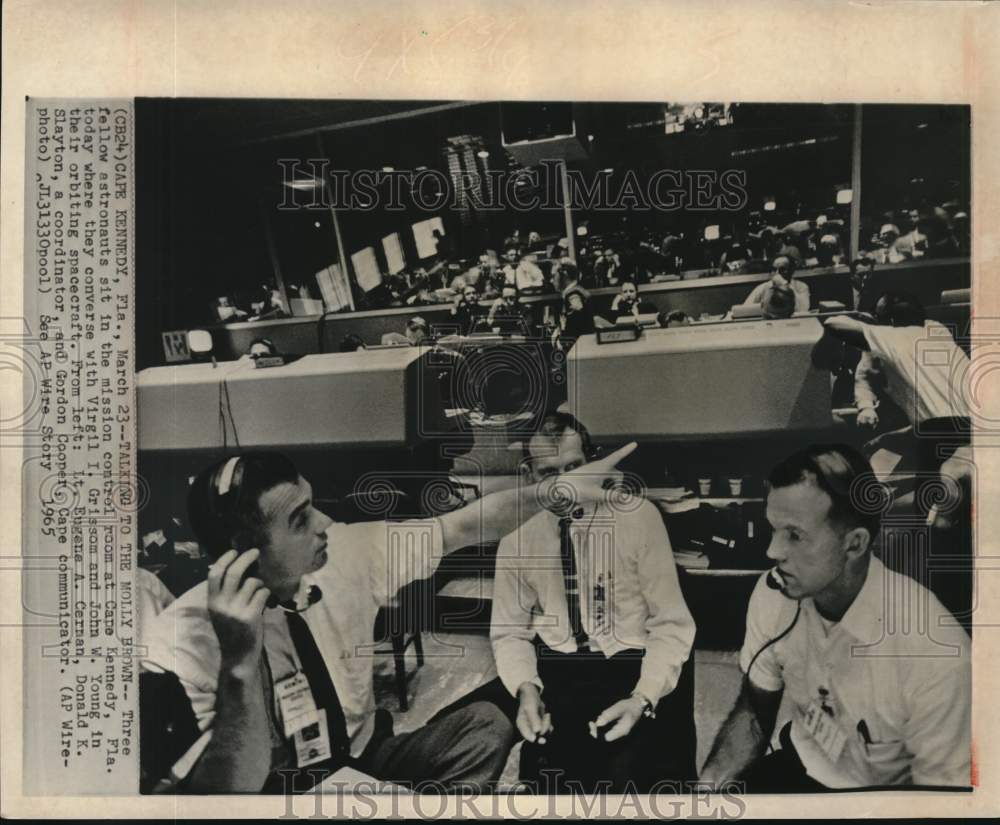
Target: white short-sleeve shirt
[927,371]
[367,564]
[896,666]
[630,595]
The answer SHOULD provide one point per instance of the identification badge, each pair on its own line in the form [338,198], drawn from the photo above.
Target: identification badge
[295,700]
[824,730]
[312,740]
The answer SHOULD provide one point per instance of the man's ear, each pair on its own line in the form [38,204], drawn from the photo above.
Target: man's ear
[524,465]
[857,542]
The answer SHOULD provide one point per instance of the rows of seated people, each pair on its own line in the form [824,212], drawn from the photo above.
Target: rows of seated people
[533,264]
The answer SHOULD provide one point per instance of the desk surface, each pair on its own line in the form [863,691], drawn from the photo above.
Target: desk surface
[749,334]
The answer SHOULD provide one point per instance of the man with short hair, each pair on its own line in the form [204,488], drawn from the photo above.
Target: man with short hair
[508,314]
[608,268]
[913,244]
[528,277]
[887,253]
[577,317]
[874,700]
[591,633]
[626,302]
[511,257]
[778,302]
[565,274]
[783,274]
[416,331]
[414,335]
[467,311]
[275,650]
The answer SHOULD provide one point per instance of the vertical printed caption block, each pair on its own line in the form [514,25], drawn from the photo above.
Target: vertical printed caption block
[80,494]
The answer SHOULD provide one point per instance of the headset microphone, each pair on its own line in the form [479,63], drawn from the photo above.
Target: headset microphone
[775,580]
[313,595]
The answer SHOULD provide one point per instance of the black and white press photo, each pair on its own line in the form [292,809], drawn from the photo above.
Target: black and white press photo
[508,412]
[553,448]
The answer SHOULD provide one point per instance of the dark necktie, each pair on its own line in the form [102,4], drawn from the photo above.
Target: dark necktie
[320,683]
[570,580]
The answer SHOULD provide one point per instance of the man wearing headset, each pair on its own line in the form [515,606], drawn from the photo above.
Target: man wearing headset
[783,275]
[875,672]
[590,634]
[275,649]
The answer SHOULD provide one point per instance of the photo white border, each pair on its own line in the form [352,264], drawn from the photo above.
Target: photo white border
[757,50]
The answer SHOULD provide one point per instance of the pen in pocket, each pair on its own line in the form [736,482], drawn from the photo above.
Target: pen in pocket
[866,736]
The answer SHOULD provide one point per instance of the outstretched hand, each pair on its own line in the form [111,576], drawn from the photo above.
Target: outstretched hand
[590,483]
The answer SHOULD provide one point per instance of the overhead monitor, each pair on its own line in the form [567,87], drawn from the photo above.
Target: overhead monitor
[366,269]
[393,253]
[423,236]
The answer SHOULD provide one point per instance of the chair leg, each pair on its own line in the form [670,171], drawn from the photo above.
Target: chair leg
[398,651]
[418,645]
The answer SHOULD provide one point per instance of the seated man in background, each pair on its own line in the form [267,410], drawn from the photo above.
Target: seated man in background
[528,277]
[590,633]
[565,275]
[873,703]
[626,302]
[913,243]
[790,246]
[828,250]
[262,348]
[778,302]
[508,314]
[351,343]
[414,335]
[886,251]
[511,259]
[608,270]
[577,318]
[275,649]
[735,259]
[467,311]
[783,274]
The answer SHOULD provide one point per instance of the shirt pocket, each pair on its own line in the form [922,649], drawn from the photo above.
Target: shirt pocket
[887,762]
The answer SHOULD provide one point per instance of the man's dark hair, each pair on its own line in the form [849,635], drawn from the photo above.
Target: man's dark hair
[351,343]
[553,424]
[668,317]
[778,302]
[900,309]
[843,474]
[570,270]
[789,267]
[267,342]
[224,500]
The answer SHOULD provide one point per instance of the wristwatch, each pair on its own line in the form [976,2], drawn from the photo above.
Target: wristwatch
[647,706]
